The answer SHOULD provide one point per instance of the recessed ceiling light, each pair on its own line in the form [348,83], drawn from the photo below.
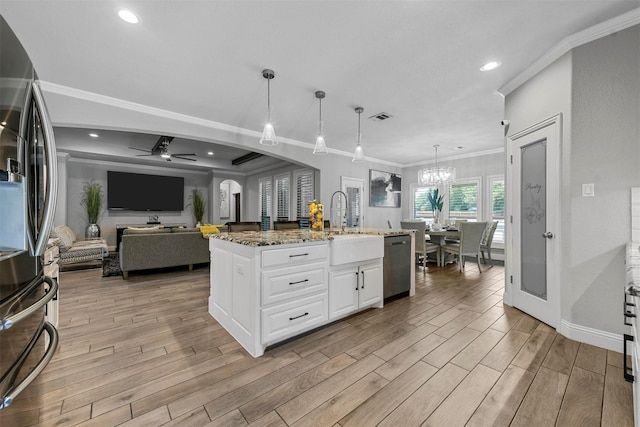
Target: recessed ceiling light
[93,135]
[128,16]
[490,66]
[460,147]
[210,153]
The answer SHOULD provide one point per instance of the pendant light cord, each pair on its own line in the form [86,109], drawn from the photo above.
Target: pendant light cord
[269,100]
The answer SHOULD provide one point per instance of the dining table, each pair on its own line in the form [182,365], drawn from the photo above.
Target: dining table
[438,236]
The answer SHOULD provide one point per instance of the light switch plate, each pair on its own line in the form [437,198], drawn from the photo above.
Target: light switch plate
[588,190]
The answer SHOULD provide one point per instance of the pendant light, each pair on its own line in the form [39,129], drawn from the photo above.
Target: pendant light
[437,175]
[358,155]
[320,147]
[268,134]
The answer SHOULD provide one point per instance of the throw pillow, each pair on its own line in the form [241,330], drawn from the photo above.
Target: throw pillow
[65,237]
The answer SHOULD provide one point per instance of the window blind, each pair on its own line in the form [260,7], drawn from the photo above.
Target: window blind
[282,197]
[421,206]
[264,190]
[304,193]
[463,201]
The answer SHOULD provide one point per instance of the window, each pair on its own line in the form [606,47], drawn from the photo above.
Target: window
[496,207]
[420,206]
[264,191]
[463,200]
[282,197]
[304,192]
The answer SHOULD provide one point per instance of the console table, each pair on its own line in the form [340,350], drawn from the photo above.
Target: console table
[121,227]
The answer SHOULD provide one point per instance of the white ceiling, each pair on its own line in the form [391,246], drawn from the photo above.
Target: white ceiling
[416,60]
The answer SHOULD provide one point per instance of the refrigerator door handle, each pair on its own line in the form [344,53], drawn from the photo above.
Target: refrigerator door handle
[8,322]
[37,370]
[52,173]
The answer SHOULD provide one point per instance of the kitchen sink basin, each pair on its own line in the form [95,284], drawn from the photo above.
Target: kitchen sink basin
[348,248]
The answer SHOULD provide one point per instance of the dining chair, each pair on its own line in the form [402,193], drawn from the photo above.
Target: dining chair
[423,248]
[244,226]
[457,225]
[487,239]
[470,239]
[286,225]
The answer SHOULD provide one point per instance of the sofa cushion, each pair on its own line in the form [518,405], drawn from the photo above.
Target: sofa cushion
[184,229]
[150,230]
[65,237]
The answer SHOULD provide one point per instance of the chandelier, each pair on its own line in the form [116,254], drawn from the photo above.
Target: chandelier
[436,174]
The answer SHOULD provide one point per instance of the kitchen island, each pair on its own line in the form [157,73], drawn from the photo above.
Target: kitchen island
[267,287]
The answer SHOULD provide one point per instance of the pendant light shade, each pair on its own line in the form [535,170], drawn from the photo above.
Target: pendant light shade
[320,147]
[437,175]
[358,155]
[268,134]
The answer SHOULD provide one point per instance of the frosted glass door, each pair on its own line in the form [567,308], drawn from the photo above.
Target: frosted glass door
[533,219]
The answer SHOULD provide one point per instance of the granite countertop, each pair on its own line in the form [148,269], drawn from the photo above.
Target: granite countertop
[633,265]
[284,237]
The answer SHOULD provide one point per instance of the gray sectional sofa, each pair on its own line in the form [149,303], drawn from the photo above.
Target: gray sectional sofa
[147,248]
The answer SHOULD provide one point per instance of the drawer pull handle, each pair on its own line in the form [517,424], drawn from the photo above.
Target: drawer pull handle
[357,279]
[299,281]
[293,256]
[628,371]
[628,314]
[362,287]
[297,317]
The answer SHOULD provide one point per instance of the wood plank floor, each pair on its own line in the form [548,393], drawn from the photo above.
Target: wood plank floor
[145,352]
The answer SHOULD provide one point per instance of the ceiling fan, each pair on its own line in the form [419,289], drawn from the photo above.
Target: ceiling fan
[161,148]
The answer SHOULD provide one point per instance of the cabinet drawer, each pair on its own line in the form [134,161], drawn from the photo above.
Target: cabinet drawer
[293,256]
[288,319]
[284,283]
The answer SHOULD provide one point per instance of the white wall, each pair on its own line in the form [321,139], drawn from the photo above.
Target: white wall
[80,171]
[596,87]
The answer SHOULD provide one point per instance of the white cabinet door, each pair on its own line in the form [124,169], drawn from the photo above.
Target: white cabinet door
[370,291]
[343,292]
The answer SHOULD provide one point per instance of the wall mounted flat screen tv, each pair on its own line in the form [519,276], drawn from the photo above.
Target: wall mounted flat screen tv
[139,192]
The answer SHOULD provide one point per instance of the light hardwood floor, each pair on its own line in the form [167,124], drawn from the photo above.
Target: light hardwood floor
[145,352]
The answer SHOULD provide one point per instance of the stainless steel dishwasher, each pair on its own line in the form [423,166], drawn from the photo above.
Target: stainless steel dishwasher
[397,266]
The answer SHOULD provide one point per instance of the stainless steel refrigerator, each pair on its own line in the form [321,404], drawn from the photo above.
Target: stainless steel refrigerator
[28,184]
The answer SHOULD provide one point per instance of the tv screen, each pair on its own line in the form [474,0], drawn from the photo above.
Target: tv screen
[138,192]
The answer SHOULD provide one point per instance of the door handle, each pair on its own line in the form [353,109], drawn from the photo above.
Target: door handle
[547,235]
[627,370]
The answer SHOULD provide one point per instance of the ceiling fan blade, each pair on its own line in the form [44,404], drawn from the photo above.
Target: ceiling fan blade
[144,155]
[140,149]
[183,158]
[184,154]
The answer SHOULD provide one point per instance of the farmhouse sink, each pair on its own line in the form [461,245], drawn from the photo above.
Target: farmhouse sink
[348,248]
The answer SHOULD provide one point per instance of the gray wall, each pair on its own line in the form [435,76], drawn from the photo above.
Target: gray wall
[478,166]
[605,150]
[80,171]
[596,88]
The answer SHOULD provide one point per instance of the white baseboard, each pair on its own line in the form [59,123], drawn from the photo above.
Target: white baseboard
[591,336]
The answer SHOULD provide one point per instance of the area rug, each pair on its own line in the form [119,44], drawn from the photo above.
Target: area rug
[111,265]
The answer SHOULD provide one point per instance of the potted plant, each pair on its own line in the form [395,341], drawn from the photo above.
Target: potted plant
[437,202]
[92,202]
[197,205]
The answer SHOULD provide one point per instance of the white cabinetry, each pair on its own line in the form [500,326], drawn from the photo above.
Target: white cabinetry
[263,295]
[52,269]
[353,287]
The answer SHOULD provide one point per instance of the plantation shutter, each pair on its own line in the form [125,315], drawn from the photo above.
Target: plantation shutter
[463,201]
[282,197]
[264,190]
[304,193]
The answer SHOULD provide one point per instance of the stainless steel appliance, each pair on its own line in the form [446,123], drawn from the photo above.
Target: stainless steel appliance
[28,185]
[397,265]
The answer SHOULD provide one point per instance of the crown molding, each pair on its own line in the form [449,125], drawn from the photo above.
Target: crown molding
[166,114]
[598,31]
[459,157]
